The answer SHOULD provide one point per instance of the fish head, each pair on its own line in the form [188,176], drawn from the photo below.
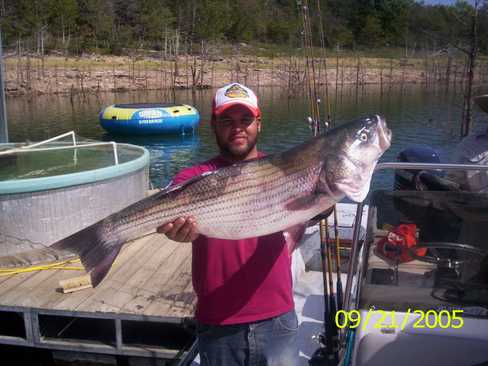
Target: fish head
[352,152]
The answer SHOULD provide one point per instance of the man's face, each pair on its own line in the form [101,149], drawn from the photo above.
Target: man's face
[236,131]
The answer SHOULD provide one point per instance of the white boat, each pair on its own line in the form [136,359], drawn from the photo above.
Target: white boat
[432,310]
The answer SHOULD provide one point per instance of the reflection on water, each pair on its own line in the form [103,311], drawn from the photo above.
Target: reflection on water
[417,116]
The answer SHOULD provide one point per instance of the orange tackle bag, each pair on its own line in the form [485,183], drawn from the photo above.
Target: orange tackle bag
[397,242]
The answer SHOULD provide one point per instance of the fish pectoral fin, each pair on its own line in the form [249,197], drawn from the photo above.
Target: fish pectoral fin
[293,235]
[303,203]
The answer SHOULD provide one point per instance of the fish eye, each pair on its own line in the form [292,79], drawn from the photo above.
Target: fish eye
[363,136]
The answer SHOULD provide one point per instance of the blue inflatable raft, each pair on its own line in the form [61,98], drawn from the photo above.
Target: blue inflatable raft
[149,119]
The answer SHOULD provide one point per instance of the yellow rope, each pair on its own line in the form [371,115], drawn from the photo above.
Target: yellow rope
[57,265]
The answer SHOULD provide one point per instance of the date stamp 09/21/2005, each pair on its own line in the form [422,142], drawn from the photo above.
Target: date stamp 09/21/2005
[381,319]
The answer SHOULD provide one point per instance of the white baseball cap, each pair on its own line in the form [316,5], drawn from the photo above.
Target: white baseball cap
[233,94]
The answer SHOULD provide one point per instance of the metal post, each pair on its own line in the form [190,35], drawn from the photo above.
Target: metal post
[352,265]
[3,109]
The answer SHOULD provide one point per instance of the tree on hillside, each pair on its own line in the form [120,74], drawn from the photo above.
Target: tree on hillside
[371,33]
[96,24]
[63,19]
[153,20]
[393,16]
[26,18]
[246,28]
[363,22]
[117,25]
[212,19]
[283,24]
[470,13]
[483,26]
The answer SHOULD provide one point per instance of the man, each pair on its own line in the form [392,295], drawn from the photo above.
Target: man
[245,310]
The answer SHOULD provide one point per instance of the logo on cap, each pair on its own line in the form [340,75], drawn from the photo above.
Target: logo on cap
[234,94]
[236,91]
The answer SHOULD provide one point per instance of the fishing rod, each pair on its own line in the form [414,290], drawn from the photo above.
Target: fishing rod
[328,123]
[339,292]
[327,354]
[322,45]
[314,104]
[334,334]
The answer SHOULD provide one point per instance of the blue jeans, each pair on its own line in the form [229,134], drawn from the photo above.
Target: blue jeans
[269,342]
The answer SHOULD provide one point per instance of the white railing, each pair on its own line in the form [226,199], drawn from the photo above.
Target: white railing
[70,133]
[34,147]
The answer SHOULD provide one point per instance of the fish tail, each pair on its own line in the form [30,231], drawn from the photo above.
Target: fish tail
[96,251]
[102,268]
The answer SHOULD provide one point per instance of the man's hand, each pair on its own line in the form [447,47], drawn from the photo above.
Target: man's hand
[182,229]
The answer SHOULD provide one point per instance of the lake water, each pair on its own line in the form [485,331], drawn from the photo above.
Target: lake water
[417,116]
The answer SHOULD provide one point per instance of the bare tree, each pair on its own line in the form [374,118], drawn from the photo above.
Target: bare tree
[472,53]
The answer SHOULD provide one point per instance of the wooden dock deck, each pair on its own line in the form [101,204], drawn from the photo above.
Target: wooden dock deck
[140,309]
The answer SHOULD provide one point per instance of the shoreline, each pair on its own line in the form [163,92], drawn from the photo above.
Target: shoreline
[28,75]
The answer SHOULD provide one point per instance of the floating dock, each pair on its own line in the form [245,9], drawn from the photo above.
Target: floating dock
[142,308]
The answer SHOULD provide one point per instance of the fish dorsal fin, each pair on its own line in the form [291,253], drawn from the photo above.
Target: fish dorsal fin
[230,171]
[176,187]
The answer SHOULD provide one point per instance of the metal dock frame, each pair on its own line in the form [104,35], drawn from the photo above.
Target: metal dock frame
[144,308]
[39,334]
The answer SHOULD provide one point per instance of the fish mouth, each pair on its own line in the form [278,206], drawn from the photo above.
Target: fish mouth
[356,188]
[348,185]
[353,191]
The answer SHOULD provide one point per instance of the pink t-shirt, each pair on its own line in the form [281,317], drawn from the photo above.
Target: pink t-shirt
[238,281]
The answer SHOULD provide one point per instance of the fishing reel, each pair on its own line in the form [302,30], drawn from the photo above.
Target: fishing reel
[321,356]
[314,125]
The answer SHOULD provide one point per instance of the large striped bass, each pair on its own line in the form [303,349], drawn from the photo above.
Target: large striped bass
[250,198]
